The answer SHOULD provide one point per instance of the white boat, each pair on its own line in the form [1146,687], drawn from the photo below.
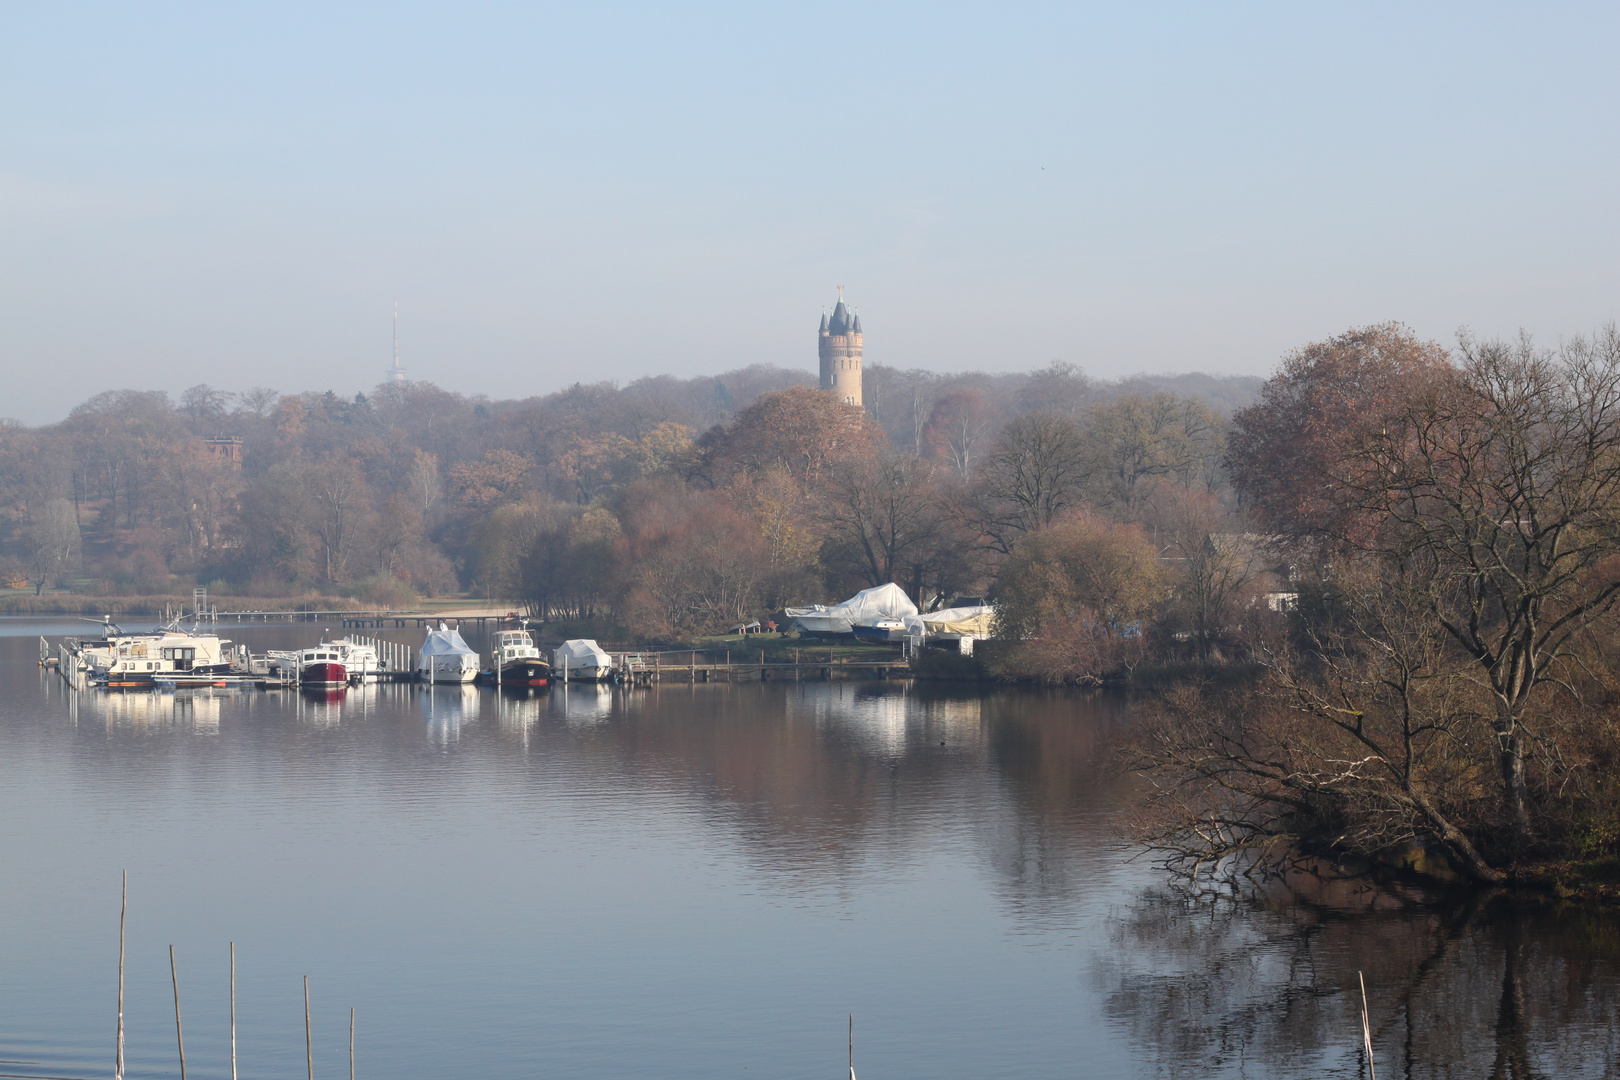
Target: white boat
[446,658]
[167,656]
[361,660]
[866,608]
[581,660]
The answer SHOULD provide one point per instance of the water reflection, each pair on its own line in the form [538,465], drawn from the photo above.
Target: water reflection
[447,708]
[689,878]
[1486,987]
[197,711]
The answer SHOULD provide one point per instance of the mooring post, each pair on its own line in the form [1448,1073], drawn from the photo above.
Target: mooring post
[233,1010]
[118,1067]
[351,1042]
[309,1043]
[179,1036]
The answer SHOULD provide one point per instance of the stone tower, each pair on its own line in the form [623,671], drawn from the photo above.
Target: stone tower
[840,348]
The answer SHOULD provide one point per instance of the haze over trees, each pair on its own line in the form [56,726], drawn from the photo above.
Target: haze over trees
[669,507]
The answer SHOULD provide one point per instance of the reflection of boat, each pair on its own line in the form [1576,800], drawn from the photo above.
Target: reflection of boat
[322,666]
[582,660]
[446,658]
[881,632]
[325,694]
[514,660]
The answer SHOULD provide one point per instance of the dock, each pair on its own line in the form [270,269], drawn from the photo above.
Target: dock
[648,668]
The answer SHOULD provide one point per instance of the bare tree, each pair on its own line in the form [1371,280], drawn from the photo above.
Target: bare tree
[881,514]
[1037,469]
[1507,488]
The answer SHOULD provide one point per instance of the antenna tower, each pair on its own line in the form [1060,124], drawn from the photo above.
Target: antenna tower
[397,373]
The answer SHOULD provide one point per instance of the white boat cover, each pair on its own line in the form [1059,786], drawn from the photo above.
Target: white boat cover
[444,642]
[863,609]
[962,622]
[581,654]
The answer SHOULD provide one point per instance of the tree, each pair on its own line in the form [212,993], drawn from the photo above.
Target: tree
[1287,453]
[1365,732]
[1502,487]
[1074,597]
[499,477]
[1139,438]
[800,429]
[958,427]
[1037,470]
[53,543]
[882,516]
[338,497]
[1213,564]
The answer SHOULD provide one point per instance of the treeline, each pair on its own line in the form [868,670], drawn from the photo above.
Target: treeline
[669,507]
[1446,684]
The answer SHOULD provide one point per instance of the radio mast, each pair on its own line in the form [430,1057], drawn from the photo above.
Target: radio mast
[396,371]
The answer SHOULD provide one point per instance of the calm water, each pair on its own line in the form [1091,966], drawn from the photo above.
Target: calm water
[695,882]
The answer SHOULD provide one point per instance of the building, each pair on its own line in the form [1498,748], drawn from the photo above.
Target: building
[840,348]
[226,447]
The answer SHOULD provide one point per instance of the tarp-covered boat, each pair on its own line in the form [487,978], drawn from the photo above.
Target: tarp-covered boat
[445,657]
[866,608]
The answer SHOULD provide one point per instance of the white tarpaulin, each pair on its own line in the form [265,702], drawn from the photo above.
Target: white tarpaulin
[581,655]
[863,609]
[962,622]
[446,655]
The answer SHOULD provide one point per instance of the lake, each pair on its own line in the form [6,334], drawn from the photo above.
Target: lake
[697,881]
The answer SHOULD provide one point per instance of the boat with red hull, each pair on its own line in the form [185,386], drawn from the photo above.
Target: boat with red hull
[321,666]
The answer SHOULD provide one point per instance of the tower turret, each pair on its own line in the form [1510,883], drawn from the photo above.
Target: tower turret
[840,349]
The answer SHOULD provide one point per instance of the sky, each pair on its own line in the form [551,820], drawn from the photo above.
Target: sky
[236,194]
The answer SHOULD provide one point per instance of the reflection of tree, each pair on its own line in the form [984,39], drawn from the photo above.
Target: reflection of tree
[1234,988]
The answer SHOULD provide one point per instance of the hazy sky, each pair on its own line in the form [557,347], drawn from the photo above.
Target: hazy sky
[234,194]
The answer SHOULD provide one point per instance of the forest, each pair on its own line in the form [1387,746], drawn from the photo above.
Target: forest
[665,509]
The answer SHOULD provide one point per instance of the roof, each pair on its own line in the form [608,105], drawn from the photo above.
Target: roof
[842,322]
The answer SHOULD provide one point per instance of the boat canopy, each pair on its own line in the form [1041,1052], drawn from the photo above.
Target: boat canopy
[863,609]
[962,622]
[581,653]
[445,642]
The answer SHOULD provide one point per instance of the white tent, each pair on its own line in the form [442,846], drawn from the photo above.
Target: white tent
[444,657]
[863,609]
[582,659]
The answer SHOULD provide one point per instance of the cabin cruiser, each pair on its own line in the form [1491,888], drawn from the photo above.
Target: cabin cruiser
[168,657]
[322,666]
[446,658]
[514,660]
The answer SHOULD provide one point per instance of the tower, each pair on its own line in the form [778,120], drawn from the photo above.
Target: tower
[396,373]
[840,348]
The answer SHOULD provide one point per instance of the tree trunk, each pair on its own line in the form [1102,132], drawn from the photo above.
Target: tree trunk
[1510,740]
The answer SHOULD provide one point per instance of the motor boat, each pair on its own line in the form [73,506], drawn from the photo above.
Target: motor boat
[322,666]
[515,661]
[582,660]
[881,632]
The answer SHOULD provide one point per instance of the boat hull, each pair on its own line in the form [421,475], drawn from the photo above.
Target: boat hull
[324,673]
[522,672]
[877,635]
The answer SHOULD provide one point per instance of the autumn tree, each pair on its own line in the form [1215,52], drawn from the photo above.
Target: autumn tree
[53,543]
[801,430]
[1288,453]
[1503,485]
[1075,598]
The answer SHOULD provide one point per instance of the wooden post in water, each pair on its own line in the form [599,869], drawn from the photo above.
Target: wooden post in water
[309,1043]
[118,1065]
[851,1046]
[351,1042]
[1366,1028]
[233,1010]
[179,1036]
